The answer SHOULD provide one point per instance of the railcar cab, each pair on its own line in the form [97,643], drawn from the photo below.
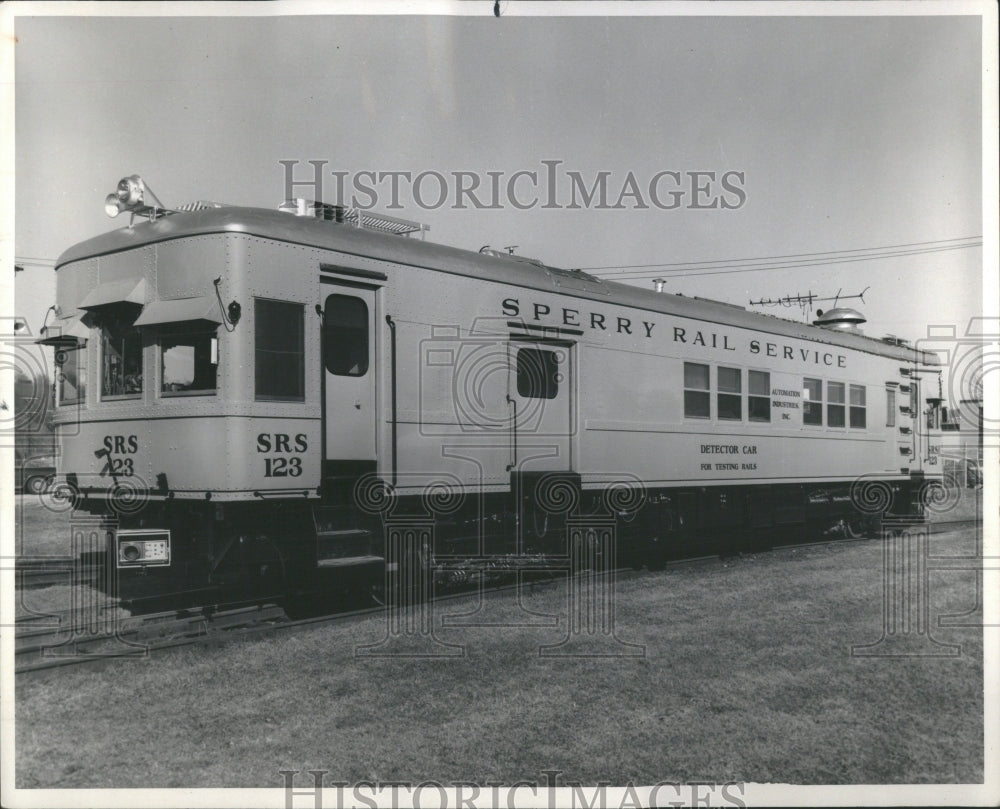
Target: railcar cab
[190,399]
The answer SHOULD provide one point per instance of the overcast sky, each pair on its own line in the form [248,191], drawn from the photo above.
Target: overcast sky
[850,133]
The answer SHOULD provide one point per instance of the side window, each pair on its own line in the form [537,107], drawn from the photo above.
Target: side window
[934,416]
[279,350]
[189,360]
[345,335]
[121,353]
[697,399]
[71,376]
[859,416]
[835,404]
[890,407]
[759,398]
[730,395]
[537,373]
[812,406]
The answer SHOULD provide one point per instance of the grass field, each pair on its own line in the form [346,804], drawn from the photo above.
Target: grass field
[42,526]
[747,676]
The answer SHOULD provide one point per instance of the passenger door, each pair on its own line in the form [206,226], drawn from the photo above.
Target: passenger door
[540,394]
[349,372]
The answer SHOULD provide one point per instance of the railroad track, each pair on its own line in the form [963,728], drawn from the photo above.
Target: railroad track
[33,574]
[39,649]
[936,527]
[74,642]
[62,641]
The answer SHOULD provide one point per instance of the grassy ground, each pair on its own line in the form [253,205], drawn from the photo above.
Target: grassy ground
[42,526]
[747,676]
[42,529]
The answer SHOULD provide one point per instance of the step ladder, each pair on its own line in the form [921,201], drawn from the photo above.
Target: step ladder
[340,541]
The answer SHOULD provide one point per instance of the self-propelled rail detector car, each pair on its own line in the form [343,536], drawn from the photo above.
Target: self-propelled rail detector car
[250,397]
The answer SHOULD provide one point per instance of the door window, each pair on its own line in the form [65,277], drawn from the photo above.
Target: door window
[537,373]
[345,335]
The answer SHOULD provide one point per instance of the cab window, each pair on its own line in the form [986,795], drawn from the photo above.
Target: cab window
[121,353]
[279,350]
[71,376]
[189,360]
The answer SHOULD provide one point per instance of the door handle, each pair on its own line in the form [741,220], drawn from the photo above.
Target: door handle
[513,432]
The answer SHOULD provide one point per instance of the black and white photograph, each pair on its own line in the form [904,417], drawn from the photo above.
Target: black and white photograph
[499,403]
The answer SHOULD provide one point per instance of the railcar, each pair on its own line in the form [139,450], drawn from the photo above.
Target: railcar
[265,401]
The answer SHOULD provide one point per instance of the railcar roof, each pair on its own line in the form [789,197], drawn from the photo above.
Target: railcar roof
[346,238]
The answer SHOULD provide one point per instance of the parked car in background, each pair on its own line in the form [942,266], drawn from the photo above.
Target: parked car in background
[34,475]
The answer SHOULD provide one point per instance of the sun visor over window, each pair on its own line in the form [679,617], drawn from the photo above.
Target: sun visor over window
[130,290]
[64,330]
[179,311]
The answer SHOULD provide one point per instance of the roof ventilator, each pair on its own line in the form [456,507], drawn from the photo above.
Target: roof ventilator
[840,319]
[379,222]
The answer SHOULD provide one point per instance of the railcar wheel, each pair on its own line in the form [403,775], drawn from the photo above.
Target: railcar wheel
[255,569]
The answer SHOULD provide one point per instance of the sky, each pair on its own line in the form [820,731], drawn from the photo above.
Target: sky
[846,134]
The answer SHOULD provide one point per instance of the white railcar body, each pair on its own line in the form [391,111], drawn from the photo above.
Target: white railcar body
[236,356]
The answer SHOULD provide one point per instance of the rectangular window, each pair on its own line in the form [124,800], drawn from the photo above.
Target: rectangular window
[890,407]
[71,374]
[730,395]
[859,416]
[537,373]
[835,416]
[279,350]
[121,353]
[934,416]
[345,335]
[189,360]
[759,398]
[812,401]
[697,399]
